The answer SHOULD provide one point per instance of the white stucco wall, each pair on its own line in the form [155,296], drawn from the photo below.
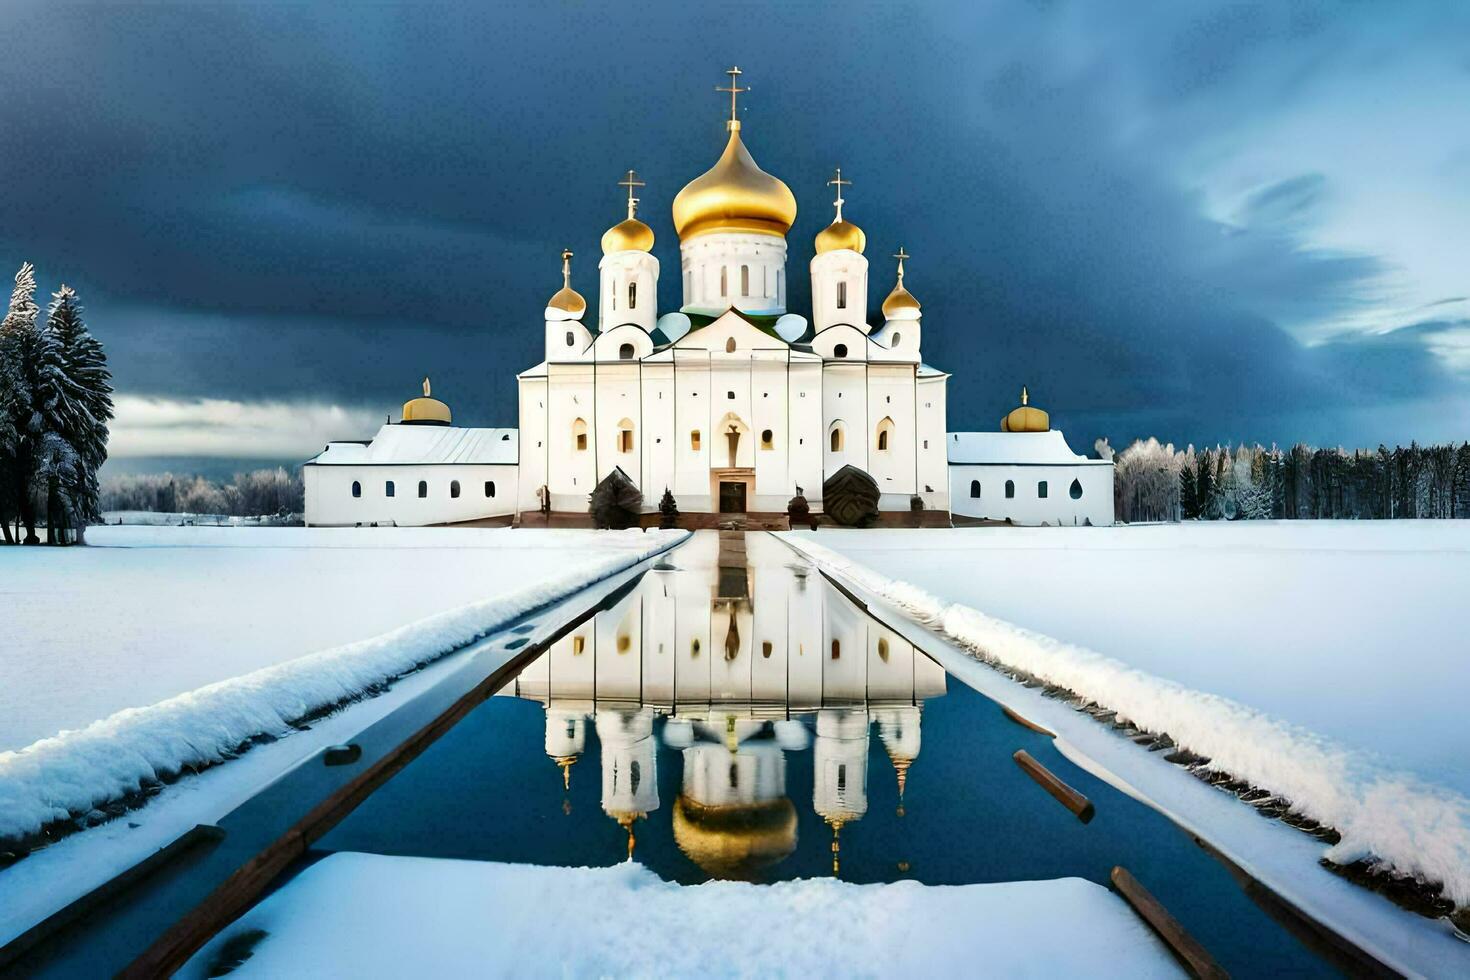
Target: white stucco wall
[1095,506]
[330,503]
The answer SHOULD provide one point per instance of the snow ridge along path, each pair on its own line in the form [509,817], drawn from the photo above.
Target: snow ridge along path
[1384,816]
[70,774]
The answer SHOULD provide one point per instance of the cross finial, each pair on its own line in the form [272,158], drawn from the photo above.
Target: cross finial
[734,89]
[426,386]
[901,255]
[566,268]
[839,183]
[1025,396]
[631,181]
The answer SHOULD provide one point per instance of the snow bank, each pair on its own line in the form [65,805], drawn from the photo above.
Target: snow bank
[369,915]
[1384,815]
[73,772]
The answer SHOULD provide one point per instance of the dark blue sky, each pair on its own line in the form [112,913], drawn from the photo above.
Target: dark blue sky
[1197,221]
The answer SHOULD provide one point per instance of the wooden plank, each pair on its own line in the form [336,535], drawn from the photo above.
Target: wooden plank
[1026,723]
[1068,797]
[1196,959]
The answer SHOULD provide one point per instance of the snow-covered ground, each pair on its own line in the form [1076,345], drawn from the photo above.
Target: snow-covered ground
[146,613]
[367,915]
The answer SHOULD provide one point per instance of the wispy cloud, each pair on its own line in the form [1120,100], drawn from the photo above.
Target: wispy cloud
[218,427]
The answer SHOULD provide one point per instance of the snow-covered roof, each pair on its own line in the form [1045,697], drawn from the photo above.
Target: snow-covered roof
[1024,448]
[398,444]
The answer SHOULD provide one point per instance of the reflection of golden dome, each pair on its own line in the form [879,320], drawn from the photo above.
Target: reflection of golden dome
[735,841]
[1025,418]
[567,298]
[426,410]
[627,235]
[734,195]
[900,298]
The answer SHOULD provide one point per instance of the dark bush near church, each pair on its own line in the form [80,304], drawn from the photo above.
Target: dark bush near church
[850,497]
[616,502]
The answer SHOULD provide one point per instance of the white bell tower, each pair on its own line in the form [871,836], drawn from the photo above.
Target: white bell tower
[629,286]
[566,337]
[839,270]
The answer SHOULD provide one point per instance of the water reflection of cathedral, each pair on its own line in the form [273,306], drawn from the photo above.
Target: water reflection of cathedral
[748,658]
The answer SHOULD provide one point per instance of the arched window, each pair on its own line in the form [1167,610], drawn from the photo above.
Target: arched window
[885,435]
[766,649]
[489,488]
[632,295]
[454,488]
[975,489]
[835,437]
[1041,489]
[840,350]
[356,488]
[625,352]
[745,280]
[730,346]
[625,436]
[579,435]
[883,649]
[768,439]
[896,338]
[1076,490]
[836,649]
[1010,489]
[842,295]
[780,286]
[388,488]
[724,281]
[571,339]
[694,440]
[423,488]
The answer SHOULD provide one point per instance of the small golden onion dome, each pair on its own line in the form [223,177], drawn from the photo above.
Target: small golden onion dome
[627,235]
[1026,417]
[900,298]
[566,298]
[734,195]
[426,410]
[841,234]
[735,841]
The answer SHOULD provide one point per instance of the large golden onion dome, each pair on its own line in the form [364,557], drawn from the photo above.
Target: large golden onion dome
[900,298]
[426,410]
[1025,417]
[735,841]
[630,234]
[841,233]
[566,298]
[734,195]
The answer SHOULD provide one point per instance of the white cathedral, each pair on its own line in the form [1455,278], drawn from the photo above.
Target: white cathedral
[731,403]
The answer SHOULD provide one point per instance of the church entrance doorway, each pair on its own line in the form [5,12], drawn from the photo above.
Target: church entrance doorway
[732,497]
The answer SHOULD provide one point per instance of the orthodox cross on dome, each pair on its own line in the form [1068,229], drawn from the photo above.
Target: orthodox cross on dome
[734,89]
[901,255]
[426,386]
[839,183]
[1025,395]
[631,181]
[566,268]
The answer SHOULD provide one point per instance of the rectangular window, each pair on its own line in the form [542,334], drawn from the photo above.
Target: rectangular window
[489,488]
[694,440]
[842,295]
[1041,489]
[632,296]
[388,489]
[745,280]
[625,440]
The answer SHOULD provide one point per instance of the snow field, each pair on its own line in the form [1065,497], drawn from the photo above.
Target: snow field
[369,915]
[1390,815]
[75,771]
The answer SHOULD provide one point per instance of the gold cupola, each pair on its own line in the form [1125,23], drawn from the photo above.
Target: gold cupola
[900,301]
[734,194]
[426,410]
[1025,417]
[841,233]
[630,234]
[567,299]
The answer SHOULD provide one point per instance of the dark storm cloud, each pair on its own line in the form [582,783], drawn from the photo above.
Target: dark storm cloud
[277,203]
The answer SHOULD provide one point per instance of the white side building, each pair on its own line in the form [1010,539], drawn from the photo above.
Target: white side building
[422,470]
[1026,474]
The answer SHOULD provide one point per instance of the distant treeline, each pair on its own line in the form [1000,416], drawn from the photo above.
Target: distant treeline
[1157,482]
[253,494]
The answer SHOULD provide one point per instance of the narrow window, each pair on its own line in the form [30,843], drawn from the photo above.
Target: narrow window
[768,439]
[975,489]
[842,295]
[579,435]
[632,295]
[882,441]
[840,350]
[836,437]
[489,488]
[688,281]
[388,489]
[896,338]
[745,280]
[883,649]
[694,648]
[841,779]
[836,649]
[1010,489]
[1076,490]
[885,434]
[730,346]
[694,440]
[356,488]
[423,488]
[625,436]
[766,650]
[571,339]
[454,488]
[1041,489]
[625,352]
[780,285]
[724,282]
[578,645]
[730,395]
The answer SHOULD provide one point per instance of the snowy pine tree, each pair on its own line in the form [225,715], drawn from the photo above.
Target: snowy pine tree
[85,403]
[25,365]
